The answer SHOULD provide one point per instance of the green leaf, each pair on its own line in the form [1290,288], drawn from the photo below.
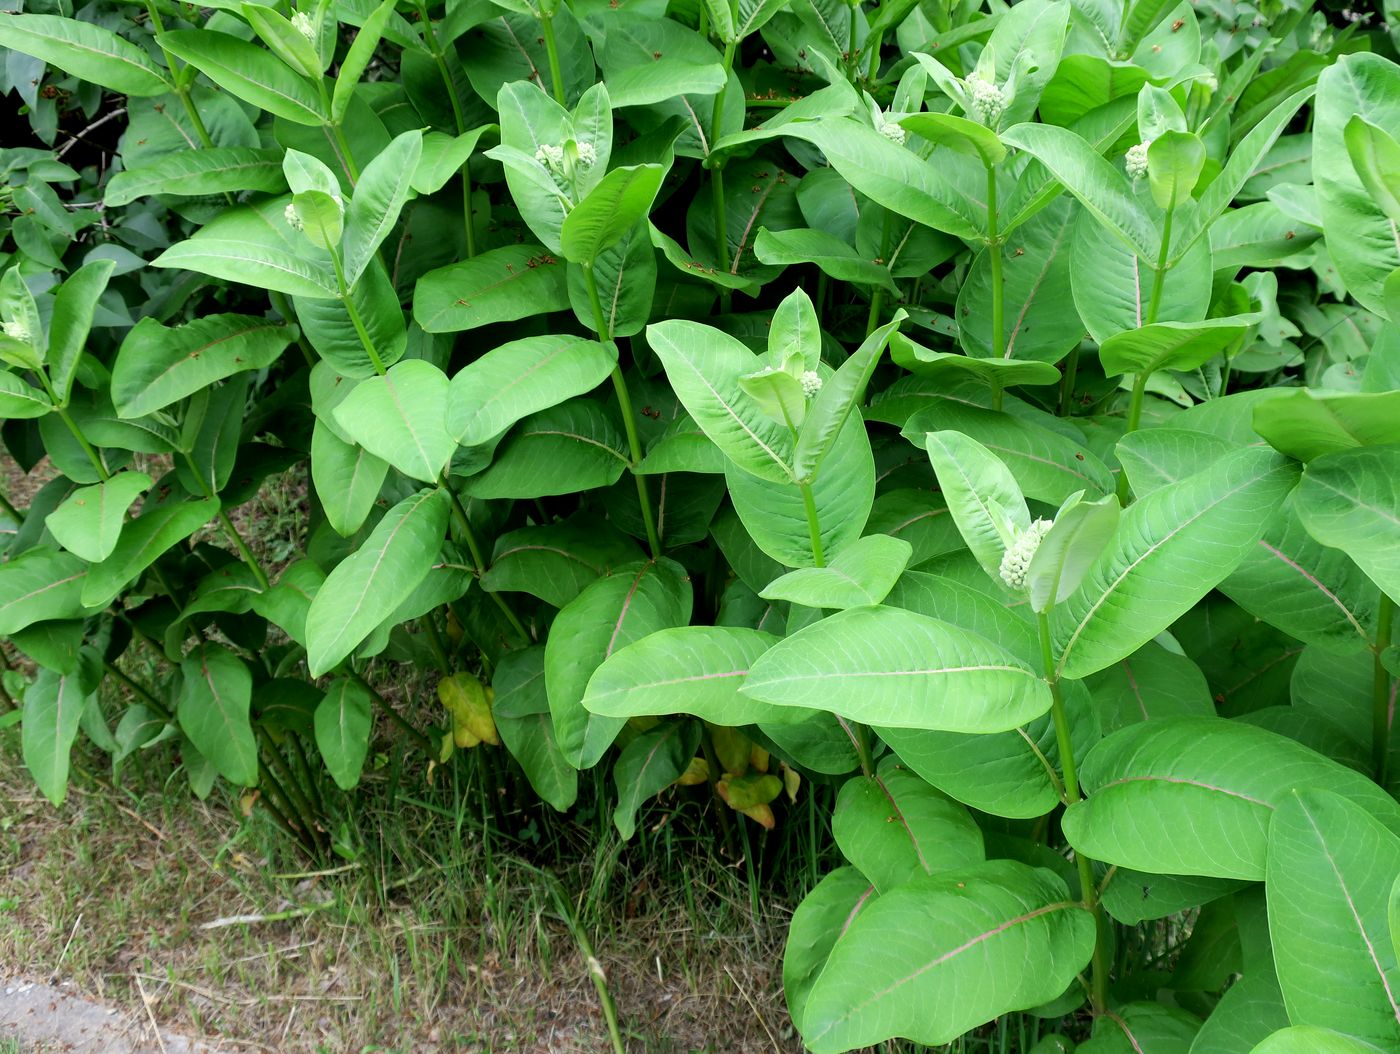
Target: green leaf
[143,541]
[622,198]
[555,561]
[73,308]
[895,177]
[995,373]
[1174,163]
[694,670]
[648,765]
[400,417]
[839,395]
[1150,684]
[248,72]
[1306,424]
[574,446]
[89,522]
[38,585]
[52,708]
[375,579]
[1194,796]
[894,827]
[1081,532]
[886,666]
[193,173]
[286,41]
[347,478]
[87,51]
[343,721]
[860,574]
[818,923]
[1330,870]
[704,366]
[1308,1039]
[352,68]
[959,964]
[21,401]
[636,600]
[380,193]
[521,711]
[520,378]
[159,365]
[1047,465]
[958,133]
[500,285]
[828,252]
[215,695]
[1181,346]
[1350,500]
[776,516]
[1100,187]
[1172,547]
[254,246]
[982,495]
[1376,157]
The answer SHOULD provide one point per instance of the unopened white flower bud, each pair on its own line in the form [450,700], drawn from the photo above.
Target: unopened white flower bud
[552,157]
[17,331]
[811,383]
[1135,160]
[302,23]
[587,155]
[895,133]
[988,101]
[293,217]
[1017,560]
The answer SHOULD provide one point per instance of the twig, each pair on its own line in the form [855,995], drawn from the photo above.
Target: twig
[146,1002]
[77,137]
[276,916]
[53,977]
[756,1013]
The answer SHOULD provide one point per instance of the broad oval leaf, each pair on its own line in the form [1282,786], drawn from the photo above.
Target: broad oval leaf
[947,952]
[226,169]
[887,666]
[375,579]
[694,670]
[499,285]
[248,72]
[89,522]
[861,574]
[38,585]
[1351,501]
[87,51]
[400,417]
[1170,549]
[1194,796]
[343,721]
[52,708]
[216,694]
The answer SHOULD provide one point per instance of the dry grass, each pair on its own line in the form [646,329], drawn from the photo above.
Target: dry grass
[467,955]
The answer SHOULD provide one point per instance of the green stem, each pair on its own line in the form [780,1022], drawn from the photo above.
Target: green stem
[555,75]
[300,802]
[1380,698]
[1098,993]
[62,410]
[347,158]
[1067,379]
[994,258]
[139,688]
[307,776]
[1134,420]
[430,37]
[284,308]
[1159,276]
[629,418]
[464,522]
[181,89]
[229,529]
[872,320]
[814,531]
[435,643]
[397,718]
[354,313]
[716,167]
[278,816]
[851,46]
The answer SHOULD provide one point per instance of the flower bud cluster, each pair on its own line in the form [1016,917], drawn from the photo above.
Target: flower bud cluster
[1136,160]
[988,101]
[1017,561]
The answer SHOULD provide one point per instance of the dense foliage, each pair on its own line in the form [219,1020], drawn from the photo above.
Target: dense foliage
[993,413]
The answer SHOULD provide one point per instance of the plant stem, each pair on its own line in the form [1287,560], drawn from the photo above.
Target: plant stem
[478,561]
[397,718]
[1087,886]
[354,313]
[872,320]
[716,167]
[181,89]
[1067,379]
[1159,276]
[1134,419]
[278,816]
[1380,698]
[62,409]
[814,531]
[994,258]
[629,418]
[140,689]
[243,551]
[851,45]
[555,74]
[298,797]
[343,148]
[439,56]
